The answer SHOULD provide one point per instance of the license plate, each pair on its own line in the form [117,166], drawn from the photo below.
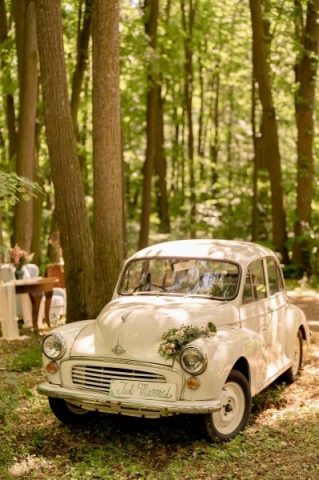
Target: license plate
[143,390]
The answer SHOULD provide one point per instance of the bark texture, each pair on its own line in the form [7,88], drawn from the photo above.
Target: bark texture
[151,10]
[9,101]
[306,70]
[84,30]
[66,175]
[188,9]
[269,129]
[23,220]
[108,175]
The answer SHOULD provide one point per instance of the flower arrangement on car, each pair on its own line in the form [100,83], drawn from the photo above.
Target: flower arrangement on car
[174,339]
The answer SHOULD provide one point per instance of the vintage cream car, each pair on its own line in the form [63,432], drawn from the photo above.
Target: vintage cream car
[195,326]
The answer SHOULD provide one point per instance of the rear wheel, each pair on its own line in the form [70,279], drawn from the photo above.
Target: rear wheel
[297,359]
[68,413]
[236,406]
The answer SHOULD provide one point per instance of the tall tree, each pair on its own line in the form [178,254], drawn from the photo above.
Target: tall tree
[151,12]
[307,36]
[26,152]
[188,9]
[69,195]
[9,101]
[269,128]
[161,169]
[84,30]
[108,176]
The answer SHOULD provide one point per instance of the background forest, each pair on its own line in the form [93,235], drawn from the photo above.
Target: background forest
[158,119]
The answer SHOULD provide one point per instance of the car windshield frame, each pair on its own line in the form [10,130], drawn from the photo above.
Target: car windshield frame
[215,279]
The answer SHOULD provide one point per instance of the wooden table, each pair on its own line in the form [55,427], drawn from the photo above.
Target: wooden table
[36,287]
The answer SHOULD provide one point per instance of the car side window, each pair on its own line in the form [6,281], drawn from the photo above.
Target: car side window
[274,277]
[255,285]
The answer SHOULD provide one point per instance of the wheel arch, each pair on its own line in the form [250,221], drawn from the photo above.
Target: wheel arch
[242,366]
[303,332]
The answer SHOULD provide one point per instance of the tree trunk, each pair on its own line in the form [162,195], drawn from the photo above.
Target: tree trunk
[66,175]
[214,145]
[269,129]
[151,19]
[306,70]
[161,170]
[256,162]
[23,220]
[201,127]
[188,19]
[107,154]
[18,10]
[84,30]
[36,243]
[9,101]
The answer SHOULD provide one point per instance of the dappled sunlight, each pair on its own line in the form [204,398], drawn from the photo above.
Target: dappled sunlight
[32,465]
[86,344]
[271,417]
[316,354]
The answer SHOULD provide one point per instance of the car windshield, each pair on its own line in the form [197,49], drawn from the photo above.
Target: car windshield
[181,276]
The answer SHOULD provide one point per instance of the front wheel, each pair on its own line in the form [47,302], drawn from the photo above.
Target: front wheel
[236,406]
[68,413]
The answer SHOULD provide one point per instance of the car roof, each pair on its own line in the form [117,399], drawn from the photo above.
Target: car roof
[231,250]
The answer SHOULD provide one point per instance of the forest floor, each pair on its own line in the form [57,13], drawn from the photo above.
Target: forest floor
[281,441]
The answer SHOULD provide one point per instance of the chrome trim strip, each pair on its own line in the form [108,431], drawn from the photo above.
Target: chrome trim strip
[141,408]
[117,360]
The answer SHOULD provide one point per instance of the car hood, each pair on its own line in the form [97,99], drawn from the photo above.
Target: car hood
[131,327]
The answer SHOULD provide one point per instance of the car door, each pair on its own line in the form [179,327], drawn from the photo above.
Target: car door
[253,314]
[276,311]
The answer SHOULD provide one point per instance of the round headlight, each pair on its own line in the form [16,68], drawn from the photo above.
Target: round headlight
[53,346]
[193,360]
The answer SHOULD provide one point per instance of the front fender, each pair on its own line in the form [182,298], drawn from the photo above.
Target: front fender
[69,333]
[223,351]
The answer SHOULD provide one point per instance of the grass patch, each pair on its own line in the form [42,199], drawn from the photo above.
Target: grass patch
[25,355]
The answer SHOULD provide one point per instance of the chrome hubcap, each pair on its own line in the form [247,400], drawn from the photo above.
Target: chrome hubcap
[233,408]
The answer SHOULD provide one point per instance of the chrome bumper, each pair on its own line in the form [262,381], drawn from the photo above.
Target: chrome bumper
[136,408]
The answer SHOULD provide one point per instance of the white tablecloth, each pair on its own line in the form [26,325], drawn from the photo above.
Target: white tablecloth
[8,314]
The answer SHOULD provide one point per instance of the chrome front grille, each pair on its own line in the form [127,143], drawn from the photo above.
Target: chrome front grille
[98,377]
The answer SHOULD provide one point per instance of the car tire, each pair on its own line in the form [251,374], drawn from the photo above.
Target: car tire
[236,401]
[293,372]
[67,412]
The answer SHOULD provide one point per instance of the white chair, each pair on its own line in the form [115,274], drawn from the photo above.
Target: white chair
[58,305]
[24,305]
[32,269]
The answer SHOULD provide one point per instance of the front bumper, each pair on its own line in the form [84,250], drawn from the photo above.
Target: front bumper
[136,408]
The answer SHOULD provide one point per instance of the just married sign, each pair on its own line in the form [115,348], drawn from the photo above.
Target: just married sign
[143,390]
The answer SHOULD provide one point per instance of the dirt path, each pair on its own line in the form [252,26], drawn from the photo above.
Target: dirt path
[308,300]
